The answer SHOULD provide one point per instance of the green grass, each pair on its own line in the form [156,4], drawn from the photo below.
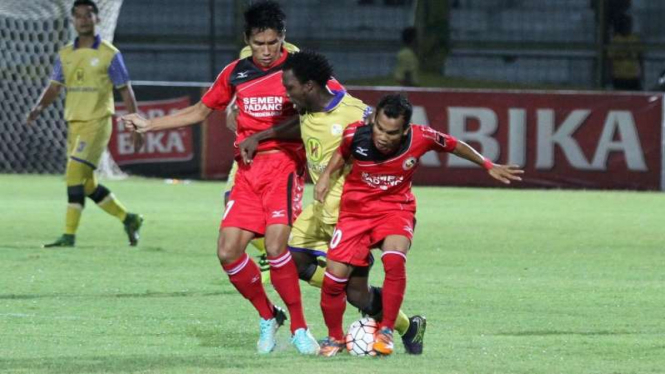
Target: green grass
[511,282]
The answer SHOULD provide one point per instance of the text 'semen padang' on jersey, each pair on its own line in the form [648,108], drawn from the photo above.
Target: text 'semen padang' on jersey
[260,97]
[378,183]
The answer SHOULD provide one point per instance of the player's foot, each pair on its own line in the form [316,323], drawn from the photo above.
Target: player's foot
[268,329]
[264,266]
[331,347]
[414,336]
[305,342]
[383,341]
[133,223]
[66,240]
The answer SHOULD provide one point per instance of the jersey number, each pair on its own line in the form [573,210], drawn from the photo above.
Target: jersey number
[229,205]
[337,236]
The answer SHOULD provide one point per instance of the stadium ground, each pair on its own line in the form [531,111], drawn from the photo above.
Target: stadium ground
[511,282]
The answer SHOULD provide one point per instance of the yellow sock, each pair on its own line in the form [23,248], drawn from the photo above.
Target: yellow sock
[317,277]
[402,323]
[72,218]
[259,244]
[112,206]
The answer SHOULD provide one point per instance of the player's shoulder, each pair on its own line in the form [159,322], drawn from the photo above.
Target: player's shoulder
[106,46]
[423,131]
[354,127]
[67,48]
[353,103]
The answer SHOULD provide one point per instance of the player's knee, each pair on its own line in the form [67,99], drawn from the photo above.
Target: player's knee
[75,195]
[333,287]
[227,251]
[99,194]
[358,297]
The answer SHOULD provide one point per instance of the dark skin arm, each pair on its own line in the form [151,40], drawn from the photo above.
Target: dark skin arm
[287,130]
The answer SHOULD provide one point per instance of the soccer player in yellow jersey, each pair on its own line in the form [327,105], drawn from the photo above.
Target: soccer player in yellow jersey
[88,68]
[231,115]
[325,111]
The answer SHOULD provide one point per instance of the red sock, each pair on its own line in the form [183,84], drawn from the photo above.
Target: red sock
[394,285]
[284,277]
[333,304]
[245,275]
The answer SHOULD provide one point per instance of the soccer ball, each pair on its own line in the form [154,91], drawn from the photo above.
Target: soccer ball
[360,338]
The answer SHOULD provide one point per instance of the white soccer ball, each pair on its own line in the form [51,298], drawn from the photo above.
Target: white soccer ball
[360,338]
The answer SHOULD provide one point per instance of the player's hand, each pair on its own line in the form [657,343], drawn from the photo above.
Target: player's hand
[322,187]
[506,173]
[138,140]
[32,116]
[248,148]
[134,122]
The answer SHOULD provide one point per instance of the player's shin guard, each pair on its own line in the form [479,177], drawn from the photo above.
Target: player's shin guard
[284,277]
[107,201]
[245,275]
[394,284]
[75,204]
[333,304]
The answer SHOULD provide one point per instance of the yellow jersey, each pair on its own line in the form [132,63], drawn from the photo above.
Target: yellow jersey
[89,75]
[322,134]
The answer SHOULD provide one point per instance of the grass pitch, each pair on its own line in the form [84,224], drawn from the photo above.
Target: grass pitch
[510,281]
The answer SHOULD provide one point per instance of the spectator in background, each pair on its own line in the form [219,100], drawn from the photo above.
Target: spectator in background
[407,67]
[625,54]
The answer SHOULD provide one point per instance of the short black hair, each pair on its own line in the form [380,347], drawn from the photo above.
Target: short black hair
[85,2]
[264,15]
[409,35]
[309,65]
[394,106]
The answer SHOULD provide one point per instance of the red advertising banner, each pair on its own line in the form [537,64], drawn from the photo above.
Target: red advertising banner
[560,139]
[160,146]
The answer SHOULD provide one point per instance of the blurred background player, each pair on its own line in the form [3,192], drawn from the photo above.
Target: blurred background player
[231,122]
[378,209]
[267,194]
[325,111]
[88,68]
[407,65]
[625,53]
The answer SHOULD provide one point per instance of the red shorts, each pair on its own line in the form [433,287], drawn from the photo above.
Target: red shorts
[267,192]
[355,235]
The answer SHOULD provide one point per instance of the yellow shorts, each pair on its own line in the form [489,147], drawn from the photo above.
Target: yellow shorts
[87,140]
[230,181]
[310,233]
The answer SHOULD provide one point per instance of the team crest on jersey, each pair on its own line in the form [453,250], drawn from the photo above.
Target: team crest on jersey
[314,149]
[409,163]
[94,62]
[336,129]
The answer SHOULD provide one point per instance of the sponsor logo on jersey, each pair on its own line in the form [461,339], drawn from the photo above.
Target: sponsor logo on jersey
[242,74]
[263,106]
[278,213]
[94,62]
[79,75]
[409,163]
[408,229]
[382,181]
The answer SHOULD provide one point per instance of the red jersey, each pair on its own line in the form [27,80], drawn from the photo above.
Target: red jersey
[260,97]
[378,183]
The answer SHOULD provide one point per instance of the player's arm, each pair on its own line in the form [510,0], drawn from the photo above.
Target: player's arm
[287,130]
[49,94]
[191,115]
[47,97]
[502,173]
[322,187]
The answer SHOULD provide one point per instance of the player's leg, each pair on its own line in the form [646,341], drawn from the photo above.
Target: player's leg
[333,305]
[257,243]
[394,250]
[244,275]
[308,244]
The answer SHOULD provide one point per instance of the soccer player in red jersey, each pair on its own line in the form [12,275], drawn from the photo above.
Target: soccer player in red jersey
[267,196]
[378,208]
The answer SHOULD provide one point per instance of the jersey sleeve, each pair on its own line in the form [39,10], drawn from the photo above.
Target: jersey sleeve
[347,140]
[118,71]
[221,92]
[438,141]
[57,75]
